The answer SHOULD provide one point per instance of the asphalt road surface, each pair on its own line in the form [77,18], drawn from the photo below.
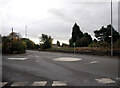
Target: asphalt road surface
[36,68]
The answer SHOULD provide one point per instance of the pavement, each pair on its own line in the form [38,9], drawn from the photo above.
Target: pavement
[37,68]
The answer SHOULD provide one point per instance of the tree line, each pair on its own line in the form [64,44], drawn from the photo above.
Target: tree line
[103,37]
[14,43]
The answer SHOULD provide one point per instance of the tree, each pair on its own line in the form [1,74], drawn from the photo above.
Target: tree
[46,41]
[14,35]
[37,46]
[6,44]
[84,41]
[58,43]
[104,34]
[64,45]
[117,44]
[0,38]
[76,34]
[99,44]
[13,44]
[29,43]
[19,47]
[70,43]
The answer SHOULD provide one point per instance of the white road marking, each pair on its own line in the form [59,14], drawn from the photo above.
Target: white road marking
[105,80]
[67,59]
[3,84]
[17,58]
[93,62]
[19,84]
[59,83]
[40,83]
[118,78]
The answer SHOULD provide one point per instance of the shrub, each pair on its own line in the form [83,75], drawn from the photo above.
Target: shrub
[117,44]
[99,44]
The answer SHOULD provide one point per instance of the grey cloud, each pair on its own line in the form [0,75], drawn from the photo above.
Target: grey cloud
[89,15]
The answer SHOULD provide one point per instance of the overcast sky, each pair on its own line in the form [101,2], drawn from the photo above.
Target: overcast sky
[55,17]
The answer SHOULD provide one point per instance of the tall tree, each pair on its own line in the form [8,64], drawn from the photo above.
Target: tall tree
[104,34]
[76,33]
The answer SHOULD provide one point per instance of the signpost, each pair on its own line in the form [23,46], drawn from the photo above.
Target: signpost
[74,47]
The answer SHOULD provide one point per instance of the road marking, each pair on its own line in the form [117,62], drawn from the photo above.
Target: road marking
[17,58]
[36,56]
[35,83]
[67,59]
[118,78]
[59,83]
[36,61]
[19,84]
[3,84]
[41,83]
[105,80]
[93,62]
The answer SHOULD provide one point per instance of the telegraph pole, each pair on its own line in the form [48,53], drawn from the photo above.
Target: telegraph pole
[111,32]
[12,41]
[25,31]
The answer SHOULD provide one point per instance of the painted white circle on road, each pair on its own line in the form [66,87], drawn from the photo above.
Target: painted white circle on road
[67,59]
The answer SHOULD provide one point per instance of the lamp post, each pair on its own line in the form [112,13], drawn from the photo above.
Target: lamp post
[111,32]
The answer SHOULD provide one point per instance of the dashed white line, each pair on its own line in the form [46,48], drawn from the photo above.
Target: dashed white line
[41,83]
[17,58]
[3,84]
[93,62]
[59,83]
[19,84]
[118,78]
[105,80]
[35,83]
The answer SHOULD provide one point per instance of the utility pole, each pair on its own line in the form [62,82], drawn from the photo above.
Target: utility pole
[12,41]
[111,32]
[25,31]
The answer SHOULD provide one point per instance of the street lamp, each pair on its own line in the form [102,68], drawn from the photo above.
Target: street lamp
[111,32]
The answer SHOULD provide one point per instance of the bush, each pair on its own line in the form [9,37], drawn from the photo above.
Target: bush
[17,46]
[99,44]
[64,45]
[30,44]
[117,44]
